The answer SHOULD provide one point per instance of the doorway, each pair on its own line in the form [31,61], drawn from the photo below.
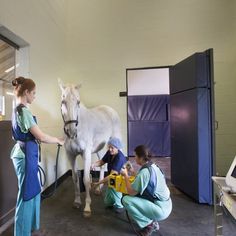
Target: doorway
[148,113]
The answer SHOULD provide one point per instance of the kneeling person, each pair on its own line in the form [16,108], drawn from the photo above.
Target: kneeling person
[115,160]
[148,200]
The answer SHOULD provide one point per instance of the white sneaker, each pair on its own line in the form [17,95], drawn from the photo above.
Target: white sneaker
[156,226]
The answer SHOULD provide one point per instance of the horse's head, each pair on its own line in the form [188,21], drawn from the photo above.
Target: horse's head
[70,103]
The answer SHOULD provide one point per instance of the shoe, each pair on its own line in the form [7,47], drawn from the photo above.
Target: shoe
[149,229]
[156,226]
[119,210]
[108,207]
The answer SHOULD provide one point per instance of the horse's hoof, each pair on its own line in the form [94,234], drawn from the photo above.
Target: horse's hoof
[87,214]
[76,205]
[97,192]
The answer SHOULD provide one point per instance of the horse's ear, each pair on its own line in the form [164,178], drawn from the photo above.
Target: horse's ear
[78,86]
[61,85]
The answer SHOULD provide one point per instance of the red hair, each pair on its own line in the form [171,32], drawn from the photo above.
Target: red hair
[22,84]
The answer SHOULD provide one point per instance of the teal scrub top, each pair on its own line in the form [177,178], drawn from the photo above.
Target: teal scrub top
[142,179]
[25,122]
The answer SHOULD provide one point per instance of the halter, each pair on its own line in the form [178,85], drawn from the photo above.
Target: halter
[69,121]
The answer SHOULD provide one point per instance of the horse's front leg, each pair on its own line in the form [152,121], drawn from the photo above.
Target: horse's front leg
[87,165]
[97,190]
[75,177]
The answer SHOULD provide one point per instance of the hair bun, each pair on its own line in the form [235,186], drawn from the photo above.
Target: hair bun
[18,81]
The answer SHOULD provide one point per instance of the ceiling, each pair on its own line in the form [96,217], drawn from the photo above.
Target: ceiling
[7,60]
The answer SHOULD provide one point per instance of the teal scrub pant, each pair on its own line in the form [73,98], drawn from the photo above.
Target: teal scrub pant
[143,211]
[27,214]
[113,198]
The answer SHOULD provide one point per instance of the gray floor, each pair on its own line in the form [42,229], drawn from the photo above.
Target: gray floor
[59,218]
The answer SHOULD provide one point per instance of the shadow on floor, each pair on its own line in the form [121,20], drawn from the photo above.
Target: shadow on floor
[59,218]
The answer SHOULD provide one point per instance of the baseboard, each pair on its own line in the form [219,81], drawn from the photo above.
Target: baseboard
[6,225]
[49,190]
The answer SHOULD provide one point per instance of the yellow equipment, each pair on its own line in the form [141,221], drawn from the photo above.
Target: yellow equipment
[118,182]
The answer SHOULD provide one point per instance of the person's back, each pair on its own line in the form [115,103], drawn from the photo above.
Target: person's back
[157,186]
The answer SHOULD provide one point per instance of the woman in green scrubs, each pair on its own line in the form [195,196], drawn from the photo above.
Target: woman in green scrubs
[148,200]
[27,213]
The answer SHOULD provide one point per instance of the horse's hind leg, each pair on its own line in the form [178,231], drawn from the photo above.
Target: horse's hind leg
[75,177]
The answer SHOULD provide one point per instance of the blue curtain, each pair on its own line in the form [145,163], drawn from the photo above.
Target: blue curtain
[148,123]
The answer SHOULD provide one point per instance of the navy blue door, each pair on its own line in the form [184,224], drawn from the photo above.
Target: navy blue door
[192,119]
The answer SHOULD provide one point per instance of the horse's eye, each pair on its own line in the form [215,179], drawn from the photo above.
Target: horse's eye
[63,102]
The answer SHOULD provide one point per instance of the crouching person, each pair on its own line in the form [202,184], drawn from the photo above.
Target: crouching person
[148,200]
[115,160]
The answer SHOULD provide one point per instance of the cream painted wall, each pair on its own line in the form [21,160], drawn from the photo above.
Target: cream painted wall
[43,25]
[107,36]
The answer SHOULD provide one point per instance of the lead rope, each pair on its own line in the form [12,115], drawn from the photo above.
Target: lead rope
[41,172]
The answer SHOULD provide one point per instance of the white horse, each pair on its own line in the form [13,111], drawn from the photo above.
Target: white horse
[87,131]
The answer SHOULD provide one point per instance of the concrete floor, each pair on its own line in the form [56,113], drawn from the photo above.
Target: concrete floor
[59,218]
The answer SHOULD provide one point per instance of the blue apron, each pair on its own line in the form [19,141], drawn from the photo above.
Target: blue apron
[29,145]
